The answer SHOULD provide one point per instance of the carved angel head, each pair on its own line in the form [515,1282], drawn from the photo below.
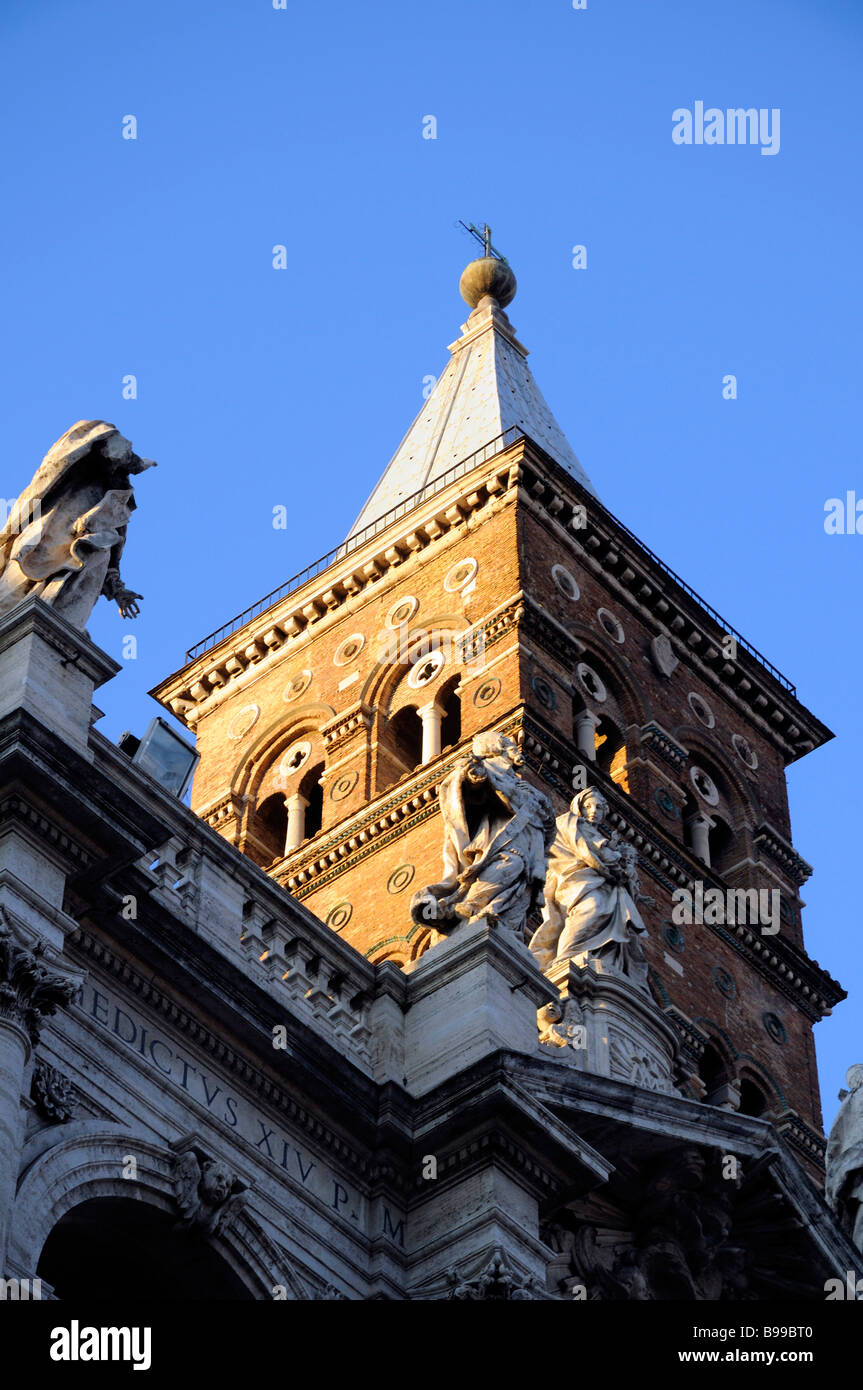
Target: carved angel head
[216,1182]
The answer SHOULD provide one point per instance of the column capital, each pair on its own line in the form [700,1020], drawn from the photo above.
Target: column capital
[429,709]
[586,716]
[30,989]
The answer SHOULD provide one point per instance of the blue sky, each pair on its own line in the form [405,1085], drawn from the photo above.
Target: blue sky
[258,387]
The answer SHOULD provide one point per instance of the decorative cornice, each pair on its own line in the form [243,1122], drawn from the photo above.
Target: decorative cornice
[223,811]
[783,853]
[370,829]
[806,1141]
[665,746]
[15,807]
[345,726]
[540,627]
[692,1040]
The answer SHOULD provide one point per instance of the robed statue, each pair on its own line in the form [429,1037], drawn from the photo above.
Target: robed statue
[844,1158]
[591,894]
[497,829]
[64,537]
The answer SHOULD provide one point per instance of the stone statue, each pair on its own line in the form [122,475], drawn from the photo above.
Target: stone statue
[497,829]
[65,534]
[844,1188]
[207,1193]
[591,893]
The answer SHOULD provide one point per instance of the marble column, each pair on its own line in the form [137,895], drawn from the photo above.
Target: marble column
[699,827]
[585,728]
[432,718]
[297,806]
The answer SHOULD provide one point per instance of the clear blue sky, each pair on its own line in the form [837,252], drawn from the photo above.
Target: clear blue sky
[257,387]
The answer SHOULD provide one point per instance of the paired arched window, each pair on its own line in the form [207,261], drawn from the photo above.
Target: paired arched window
[272,825]
[708,817]
[289,805]
[727,1086]
[714,1073]
[598,722]
[419,732]
[406,730]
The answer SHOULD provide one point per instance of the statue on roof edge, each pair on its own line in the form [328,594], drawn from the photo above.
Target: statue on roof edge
[65,534]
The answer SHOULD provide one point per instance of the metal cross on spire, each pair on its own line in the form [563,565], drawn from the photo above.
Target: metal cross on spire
[484,238]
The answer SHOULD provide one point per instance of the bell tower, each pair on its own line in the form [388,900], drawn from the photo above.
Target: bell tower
[484,586]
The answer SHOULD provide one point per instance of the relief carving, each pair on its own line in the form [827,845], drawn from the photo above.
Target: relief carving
[208,1195]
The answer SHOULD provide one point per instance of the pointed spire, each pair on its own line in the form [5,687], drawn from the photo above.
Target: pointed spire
[485,389]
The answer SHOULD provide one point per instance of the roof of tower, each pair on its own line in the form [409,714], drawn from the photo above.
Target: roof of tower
[485,389]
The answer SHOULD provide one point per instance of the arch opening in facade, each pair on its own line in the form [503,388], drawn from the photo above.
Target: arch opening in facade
[110,1245]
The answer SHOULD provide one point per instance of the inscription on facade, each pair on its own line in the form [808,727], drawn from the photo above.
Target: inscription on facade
[195,1083]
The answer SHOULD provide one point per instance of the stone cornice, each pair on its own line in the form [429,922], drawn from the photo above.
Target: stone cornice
[692,1040]
[654,736]
[539,626]
[330,854]
[351,722]
[33,617]
[783,853]
[16,808]
[798,1134]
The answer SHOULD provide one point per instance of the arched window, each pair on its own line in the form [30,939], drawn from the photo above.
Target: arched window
[752,1099]
[611,752]
[450,732]
[721,843]
[272,825]
[721,1088]
[712,1069]
[312,789]
[407,731]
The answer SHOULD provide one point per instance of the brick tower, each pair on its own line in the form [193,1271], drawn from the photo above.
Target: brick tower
[485,586]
